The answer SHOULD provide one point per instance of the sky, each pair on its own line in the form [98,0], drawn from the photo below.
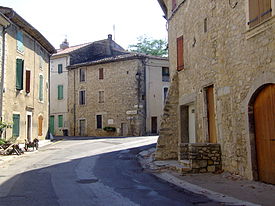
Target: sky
[85,21]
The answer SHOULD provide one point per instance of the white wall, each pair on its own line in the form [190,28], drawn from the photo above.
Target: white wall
[154,91]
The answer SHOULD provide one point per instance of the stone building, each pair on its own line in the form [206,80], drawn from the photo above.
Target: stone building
[25,56]
[67,56]
[222,94]
[121,95]
[59,124]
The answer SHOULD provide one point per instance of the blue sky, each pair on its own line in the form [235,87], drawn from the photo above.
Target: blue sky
[91,20]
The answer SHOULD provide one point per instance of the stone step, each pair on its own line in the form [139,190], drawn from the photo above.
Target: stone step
[172,165]
[185,163]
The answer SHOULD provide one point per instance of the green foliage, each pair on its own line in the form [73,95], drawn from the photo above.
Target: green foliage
[149,46]
[109,129]
[5,125]
[2,141]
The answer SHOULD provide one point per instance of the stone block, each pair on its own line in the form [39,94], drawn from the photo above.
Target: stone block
[211,168]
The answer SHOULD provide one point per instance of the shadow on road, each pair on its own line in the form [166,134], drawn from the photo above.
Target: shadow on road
[113,178]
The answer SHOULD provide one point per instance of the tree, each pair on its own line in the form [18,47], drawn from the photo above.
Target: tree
[147,45]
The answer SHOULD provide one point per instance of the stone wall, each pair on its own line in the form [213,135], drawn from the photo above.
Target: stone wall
[167,145]
[221,50]
[202,157]
[121,104]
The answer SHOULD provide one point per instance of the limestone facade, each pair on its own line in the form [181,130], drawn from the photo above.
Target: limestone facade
[24,82]
[221,51]
[115,93]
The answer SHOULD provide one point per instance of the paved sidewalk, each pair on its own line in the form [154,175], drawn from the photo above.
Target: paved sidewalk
[227,188]
[4,158]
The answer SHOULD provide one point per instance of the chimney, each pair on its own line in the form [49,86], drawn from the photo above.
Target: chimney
[110,36]
[65,44]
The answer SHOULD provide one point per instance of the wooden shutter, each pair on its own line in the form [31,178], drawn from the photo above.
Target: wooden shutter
[40,125]
[19,36]
[180,62]
[19,74]
[41,88]
[174,4]
[28,81]
[16,125]
[60,69]
[264,9]
[101,73]
[60,120]
[60,92]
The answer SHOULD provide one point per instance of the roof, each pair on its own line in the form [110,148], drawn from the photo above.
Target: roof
[163,6]
[70,49]
[123,57]
[28,28]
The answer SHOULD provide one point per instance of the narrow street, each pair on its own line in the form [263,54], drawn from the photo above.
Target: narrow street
[80,172]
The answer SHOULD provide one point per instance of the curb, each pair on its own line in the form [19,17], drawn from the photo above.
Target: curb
[146,160]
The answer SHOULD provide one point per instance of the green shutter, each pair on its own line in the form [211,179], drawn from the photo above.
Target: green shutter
[60,92]
[20,46]
[60,120]
[16,125]
[52,125]
[19,74]
[41,88]
[60,69]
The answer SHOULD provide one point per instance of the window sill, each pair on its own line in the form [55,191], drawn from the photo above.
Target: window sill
[259,28]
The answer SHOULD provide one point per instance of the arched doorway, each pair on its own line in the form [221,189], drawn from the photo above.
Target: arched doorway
[264,120]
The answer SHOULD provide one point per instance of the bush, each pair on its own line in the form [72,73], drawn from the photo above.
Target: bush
[109,129]
[2,141]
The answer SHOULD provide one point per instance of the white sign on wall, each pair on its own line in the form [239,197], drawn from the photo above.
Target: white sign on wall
[131,112]
[110,121]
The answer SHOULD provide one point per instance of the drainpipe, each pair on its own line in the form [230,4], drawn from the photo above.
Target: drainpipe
[49,95]
[145,94]
[74,103]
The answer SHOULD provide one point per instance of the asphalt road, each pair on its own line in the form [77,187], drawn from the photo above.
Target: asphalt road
[90,171]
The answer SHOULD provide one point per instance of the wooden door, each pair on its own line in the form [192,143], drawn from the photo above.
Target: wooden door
[212,131]
[124,129]
[264,116]
[40,125]
[82,127]
[29,125]
[52,125]
[154,125]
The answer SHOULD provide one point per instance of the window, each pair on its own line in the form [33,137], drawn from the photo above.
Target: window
[101,73]
[174,4]
[259,10]
[60,68]
[82,75]
[16,125]
[101,96]
[99,121]
[60,121]
[165,74]
[165,92]
[180,62]
[20,46]
[60,92]
[28,81]
[41,81]
[19,73]
[82,97]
